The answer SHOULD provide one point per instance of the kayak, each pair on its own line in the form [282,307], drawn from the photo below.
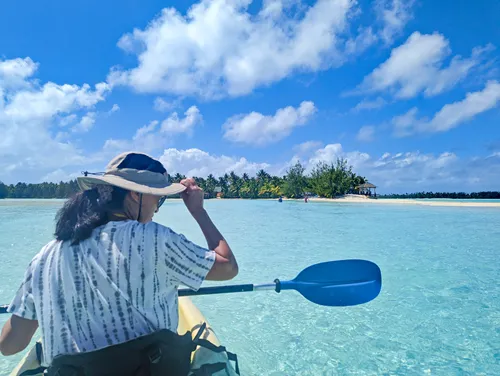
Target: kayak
[190,319]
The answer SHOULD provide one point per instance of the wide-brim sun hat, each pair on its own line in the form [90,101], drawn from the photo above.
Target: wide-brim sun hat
[133,171]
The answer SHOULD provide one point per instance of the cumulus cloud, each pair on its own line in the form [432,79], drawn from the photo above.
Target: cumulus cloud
[115,108]
[391,18]
[86,123]
[196,162]
[331,152]
[366,133]
[417,67]
[306,147]
[155,136]
[29,111]
[359,44]
[451,115]
[67,120]
[14,72]
[394,15]
[259,130]
[163,105]
[174,124]
[219,48]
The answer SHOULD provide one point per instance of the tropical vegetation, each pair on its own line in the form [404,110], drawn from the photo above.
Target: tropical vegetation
[326,180]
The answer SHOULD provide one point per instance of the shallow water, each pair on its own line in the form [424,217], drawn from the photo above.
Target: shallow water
[438,312]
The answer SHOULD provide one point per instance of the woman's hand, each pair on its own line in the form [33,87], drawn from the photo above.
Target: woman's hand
[192,196]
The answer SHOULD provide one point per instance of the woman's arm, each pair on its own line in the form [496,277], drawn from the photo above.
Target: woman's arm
[225,266]
[17,334]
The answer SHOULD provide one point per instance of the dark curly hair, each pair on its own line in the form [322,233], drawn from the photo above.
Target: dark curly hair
[83,212]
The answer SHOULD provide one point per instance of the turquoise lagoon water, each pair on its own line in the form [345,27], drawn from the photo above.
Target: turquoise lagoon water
[438,312]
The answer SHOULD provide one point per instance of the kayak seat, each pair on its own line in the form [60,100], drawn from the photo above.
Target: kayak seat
[163,353]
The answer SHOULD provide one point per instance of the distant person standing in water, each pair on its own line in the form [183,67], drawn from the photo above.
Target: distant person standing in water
[111,274]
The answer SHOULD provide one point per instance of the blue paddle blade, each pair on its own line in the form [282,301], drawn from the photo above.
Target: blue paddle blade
[338,283]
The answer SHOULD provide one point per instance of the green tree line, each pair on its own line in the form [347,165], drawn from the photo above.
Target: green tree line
[453,195]
[325,180]
[41,190]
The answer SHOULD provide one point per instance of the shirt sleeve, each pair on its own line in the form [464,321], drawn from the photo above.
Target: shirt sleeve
[187,263]
[23,304]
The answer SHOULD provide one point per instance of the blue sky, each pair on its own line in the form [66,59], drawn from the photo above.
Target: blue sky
[407,91]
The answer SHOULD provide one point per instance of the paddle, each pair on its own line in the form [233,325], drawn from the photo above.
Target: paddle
[332,283]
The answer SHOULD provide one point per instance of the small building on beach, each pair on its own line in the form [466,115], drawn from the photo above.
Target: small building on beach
[366,189]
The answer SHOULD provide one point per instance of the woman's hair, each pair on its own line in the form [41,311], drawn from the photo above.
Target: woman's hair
[85,211]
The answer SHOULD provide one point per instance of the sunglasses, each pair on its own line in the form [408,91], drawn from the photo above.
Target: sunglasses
[161,201]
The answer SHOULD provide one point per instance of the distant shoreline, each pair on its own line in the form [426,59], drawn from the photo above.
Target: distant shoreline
[355,199]
[347,199]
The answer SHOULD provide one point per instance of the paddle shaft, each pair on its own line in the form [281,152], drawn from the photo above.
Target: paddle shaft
[227,289]
[210,291]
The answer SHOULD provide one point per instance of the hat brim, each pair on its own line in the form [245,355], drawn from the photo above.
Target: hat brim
[89,182]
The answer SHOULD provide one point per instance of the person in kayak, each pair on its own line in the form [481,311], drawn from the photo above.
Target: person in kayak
[111,274]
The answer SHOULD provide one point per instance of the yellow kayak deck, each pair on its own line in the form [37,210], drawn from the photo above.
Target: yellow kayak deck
[190,319]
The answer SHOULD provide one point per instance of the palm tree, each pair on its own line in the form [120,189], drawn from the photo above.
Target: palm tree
[263,176]
[234,184]
[224,185]
[178,177]
[211,183]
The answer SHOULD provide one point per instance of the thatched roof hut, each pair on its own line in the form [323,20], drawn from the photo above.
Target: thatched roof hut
[366,189]
[366,185]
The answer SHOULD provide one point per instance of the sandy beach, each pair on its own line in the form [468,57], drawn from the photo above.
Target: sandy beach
[354,199]
[402,201]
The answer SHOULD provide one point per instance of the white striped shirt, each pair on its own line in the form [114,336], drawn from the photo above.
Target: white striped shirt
[119,284]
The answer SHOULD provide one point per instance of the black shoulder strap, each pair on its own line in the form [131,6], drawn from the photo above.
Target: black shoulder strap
[208,369]
[31,372]
[218,349]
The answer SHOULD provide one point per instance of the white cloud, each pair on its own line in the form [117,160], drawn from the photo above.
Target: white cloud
[196,162]
[394,15]
[86,123]
[51,99]
[474,103]
[155,135]
[404,125]
[67,120]
[13,73]
[115,108]
[331,152]
[451,115]
[173,124]
[31,113]
[306,147]
[417,67]
[366,133]
[259,130]
[367,104]
[162,105]
[219,48]
[365,39]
